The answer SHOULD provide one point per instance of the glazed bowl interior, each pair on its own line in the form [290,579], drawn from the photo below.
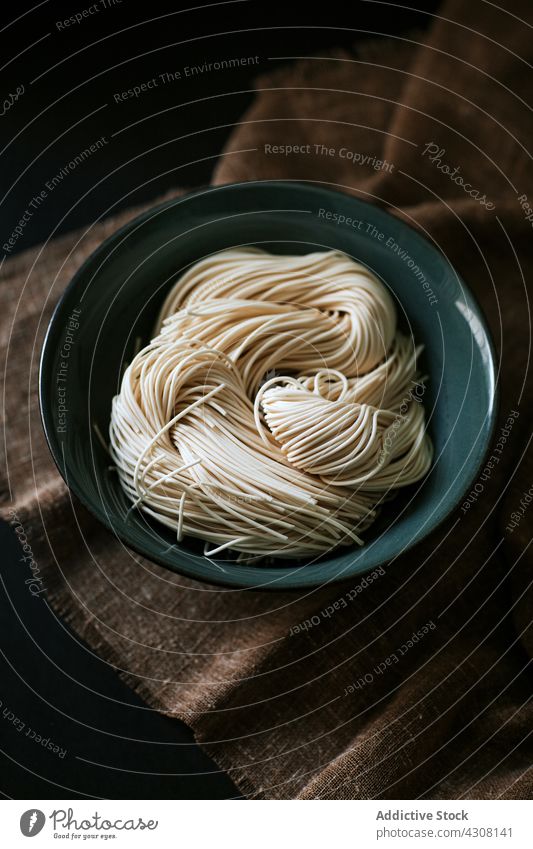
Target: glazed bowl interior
[110,308]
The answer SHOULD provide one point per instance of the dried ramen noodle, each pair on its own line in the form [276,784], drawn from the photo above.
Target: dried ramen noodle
[275,409]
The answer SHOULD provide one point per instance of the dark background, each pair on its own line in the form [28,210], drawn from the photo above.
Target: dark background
[49,680]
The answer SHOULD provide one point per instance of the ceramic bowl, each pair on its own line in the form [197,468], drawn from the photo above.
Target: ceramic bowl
[112,303]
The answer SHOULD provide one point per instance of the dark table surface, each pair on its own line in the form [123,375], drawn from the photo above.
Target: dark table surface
[52,687]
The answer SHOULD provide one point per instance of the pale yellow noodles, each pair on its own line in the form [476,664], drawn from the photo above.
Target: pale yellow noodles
[275,409]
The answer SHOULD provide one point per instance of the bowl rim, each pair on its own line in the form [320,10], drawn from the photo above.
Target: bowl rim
[286,583]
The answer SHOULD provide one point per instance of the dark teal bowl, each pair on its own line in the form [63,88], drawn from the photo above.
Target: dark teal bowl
[120,288]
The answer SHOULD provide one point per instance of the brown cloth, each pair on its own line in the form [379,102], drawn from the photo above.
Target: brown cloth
[327,693]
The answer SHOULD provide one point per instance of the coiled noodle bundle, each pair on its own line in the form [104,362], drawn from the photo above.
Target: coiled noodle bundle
[276,407]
